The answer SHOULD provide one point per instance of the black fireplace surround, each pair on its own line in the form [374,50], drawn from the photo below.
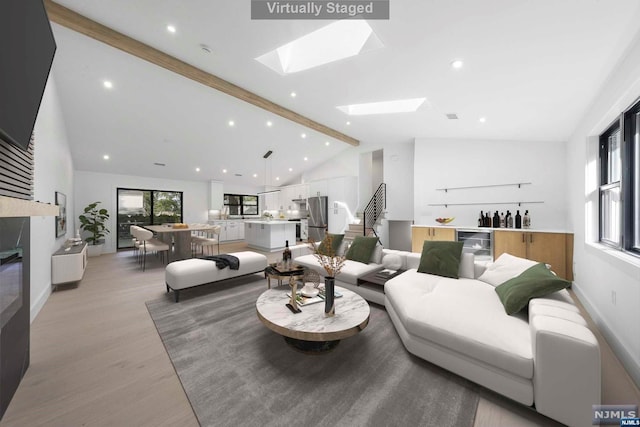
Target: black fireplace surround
[14,306]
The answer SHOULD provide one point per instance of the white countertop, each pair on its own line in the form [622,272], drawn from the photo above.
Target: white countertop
[272,222]
[476,228]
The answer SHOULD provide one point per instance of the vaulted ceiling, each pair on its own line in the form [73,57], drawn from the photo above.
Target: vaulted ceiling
[530,68]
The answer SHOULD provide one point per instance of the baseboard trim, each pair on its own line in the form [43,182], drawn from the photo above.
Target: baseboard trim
[631,365]
[40,301]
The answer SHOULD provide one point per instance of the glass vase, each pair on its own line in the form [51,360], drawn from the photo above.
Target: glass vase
[329,298]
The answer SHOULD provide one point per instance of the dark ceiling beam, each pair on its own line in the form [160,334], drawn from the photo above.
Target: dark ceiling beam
[74,21]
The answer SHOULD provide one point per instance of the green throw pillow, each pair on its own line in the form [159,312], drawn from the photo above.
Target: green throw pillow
[336,241]
[441,258]
[536,281]
[361,249]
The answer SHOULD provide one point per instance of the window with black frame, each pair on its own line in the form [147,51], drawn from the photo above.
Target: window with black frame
[241,204]
[620,183]
[610,174]
[631,179]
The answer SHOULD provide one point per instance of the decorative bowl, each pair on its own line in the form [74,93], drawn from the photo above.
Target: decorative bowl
[444,220]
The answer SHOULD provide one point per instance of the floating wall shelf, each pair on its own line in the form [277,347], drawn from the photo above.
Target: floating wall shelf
[515,184]
[483,204]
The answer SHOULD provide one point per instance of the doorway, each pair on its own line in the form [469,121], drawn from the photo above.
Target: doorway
[145,207]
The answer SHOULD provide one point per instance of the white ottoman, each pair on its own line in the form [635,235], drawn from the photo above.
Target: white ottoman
[195,272]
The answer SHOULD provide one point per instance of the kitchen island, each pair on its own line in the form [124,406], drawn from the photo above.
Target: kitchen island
[269,235]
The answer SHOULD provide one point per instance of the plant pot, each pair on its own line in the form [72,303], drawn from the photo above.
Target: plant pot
[94,250]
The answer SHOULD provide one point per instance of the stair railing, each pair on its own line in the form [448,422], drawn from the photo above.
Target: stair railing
[374,209]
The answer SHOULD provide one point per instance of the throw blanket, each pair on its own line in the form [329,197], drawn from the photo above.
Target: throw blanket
[224,260]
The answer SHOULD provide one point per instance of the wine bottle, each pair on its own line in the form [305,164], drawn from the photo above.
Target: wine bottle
[286,254]
[526,220]
[502,220]
[481,220]
[509,220]
[487,220]
[518,219]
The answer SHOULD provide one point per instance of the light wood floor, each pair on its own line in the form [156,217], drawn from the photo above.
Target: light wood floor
[97,360]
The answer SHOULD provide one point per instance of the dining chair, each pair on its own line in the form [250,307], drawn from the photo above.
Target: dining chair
[208,238]
[150,244]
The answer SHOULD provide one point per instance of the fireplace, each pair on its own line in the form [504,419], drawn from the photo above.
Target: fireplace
[14,305]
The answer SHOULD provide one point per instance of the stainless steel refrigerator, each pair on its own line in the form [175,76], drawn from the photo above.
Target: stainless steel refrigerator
[318,217]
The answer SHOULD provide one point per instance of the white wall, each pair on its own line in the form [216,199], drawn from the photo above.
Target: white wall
[606,281]
[344,164]
[91,187]
[445,163]
[398,175]
[53,172]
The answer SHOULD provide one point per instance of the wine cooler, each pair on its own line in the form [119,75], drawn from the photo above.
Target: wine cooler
[477,242]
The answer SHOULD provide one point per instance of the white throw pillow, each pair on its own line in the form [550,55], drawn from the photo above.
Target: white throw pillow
[392,261]
[467,267]
[504,268]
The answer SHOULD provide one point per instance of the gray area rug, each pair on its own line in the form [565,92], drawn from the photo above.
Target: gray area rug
[237,372]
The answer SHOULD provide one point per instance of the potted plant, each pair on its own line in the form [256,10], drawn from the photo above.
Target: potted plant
[93,221]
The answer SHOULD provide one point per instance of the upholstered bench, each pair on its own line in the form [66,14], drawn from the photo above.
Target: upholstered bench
[195,272]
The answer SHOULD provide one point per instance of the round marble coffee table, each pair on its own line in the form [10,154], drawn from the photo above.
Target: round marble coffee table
[310,330]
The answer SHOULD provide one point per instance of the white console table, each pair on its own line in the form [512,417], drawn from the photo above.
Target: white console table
[68,264]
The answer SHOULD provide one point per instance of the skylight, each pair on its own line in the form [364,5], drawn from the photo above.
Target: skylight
[333,42]
[383,107]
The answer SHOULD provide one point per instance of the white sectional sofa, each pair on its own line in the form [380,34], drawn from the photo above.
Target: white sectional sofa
[544,357]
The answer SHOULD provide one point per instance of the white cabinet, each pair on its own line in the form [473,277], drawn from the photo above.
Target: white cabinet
[269,201]
[230,230]
[68,264]
[216,199]
[318,188]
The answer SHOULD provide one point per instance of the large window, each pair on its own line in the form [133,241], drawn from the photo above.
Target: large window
[241,204]
[145,207]
[620,182]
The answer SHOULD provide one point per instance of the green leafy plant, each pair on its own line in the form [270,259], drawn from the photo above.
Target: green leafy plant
[93,221]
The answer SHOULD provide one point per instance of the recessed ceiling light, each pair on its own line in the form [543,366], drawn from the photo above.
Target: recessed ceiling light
[224,171]
[290,169]
[255,175]
[232,123]
[171,28]
[383,107]
[197,169]
[106,157]
[306,158]
[304,135]
[107,84]
[338,40]
[269,124]
[205,48]
[457,64]
[348,123]
[327,143]
[293,94]
[482,119]
[277,178]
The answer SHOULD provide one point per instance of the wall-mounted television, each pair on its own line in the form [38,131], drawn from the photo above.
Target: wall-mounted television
[27,47]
